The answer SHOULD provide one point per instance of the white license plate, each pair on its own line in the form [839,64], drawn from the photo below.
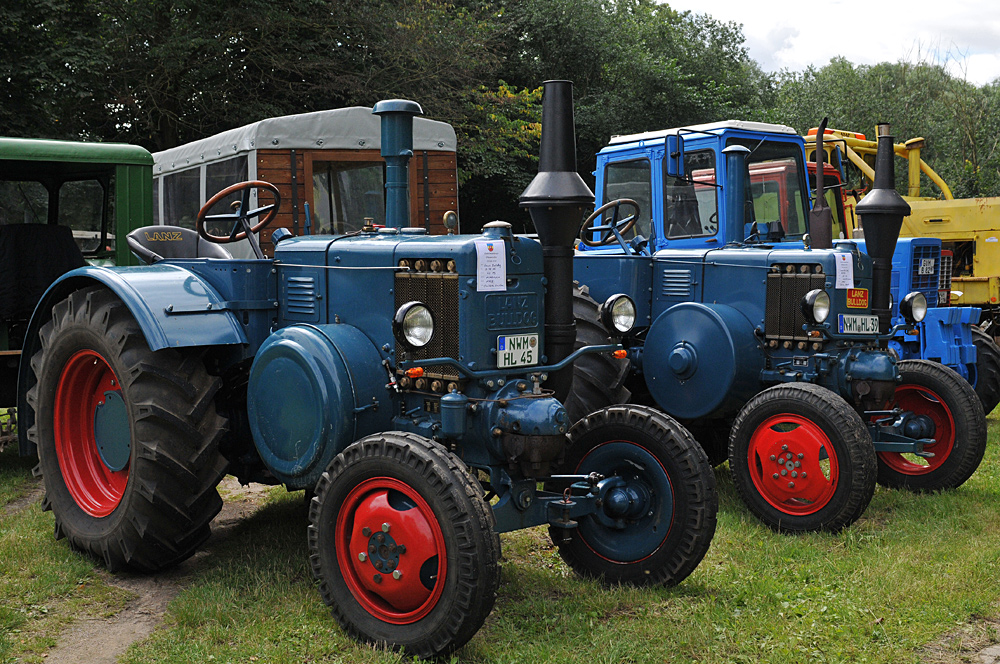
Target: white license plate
[517,350]
[926,266]
[858,324]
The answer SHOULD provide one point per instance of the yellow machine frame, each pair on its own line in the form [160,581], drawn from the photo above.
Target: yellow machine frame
[970,227]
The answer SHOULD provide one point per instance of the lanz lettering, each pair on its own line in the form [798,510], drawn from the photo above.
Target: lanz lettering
[163,236]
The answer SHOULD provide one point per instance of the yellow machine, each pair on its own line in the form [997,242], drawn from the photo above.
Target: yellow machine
[969,227]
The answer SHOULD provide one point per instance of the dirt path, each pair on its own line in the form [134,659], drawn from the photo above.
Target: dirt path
[15,506]
[103,640]
[977,642]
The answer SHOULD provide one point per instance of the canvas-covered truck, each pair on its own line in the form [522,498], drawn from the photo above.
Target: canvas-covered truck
[412,382]
[63,204]
[968,228]
[773,351]
[326,164]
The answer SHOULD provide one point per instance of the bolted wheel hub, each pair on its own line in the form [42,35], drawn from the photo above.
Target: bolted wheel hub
[383,552]
[792,464]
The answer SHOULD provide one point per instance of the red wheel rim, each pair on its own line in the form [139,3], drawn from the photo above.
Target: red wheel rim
[793,464]
[85,380]
[922,401]
[385,522]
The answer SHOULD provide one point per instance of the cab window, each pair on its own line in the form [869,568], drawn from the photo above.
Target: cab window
[81,207]
[630,179]
[345,193]
[23,202]
[777,182]
[690,203]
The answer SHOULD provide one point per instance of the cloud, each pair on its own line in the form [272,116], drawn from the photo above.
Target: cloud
[964,36]
[771,51]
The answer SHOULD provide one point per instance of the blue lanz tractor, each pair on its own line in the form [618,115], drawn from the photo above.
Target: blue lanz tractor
[771,347]
[413,383]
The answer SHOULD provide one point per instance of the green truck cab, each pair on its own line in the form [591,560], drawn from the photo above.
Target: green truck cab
[62,204]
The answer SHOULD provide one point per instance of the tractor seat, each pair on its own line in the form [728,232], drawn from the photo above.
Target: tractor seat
[154,243]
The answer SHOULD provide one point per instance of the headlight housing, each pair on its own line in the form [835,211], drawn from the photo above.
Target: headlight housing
[413,325]
[816,306]
[618,314]
[913,307]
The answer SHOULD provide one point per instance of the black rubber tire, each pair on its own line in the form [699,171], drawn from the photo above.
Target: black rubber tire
[987,383]
[958,397]
[464,518]
[830,418]
[692,481]
[713,436]
[174,462]
[598,379]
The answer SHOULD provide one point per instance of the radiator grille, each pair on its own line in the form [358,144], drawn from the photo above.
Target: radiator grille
[783,317]
[301,296]
[944,276]
[440,293]
[925,283]
[677,283]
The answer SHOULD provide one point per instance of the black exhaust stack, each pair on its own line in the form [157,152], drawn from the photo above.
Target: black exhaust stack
[556,200]
[882,211]
[821,218]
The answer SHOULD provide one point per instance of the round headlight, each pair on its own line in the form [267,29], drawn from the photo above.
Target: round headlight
[816,306]
[618,314]
[413,325]
[913,307]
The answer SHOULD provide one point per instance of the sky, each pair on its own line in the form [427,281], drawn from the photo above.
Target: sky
[790,34]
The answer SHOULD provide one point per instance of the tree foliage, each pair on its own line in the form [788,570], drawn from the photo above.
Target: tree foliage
[958,120]
[164,72]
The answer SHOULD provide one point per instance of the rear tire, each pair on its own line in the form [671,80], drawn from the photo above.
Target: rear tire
[802,459]
[934,390]
[987,383]
[598,378]
[438,534]
[665,468]
[713,436]
[128,438]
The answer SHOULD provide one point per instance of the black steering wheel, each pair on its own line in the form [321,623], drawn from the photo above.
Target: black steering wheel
[611,231]
[241,215]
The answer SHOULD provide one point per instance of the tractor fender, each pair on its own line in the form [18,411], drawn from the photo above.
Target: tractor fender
[173,306]
[313,390]
[701,360]
[946,336]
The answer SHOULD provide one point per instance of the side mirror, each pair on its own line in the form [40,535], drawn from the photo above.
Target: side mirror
[674,160]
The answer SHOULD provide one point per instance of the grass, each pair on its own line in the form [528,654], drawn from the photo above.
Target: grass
[912,570]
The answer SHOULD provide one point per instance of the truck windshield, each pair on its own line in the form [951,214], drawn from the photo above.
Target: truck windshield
[80,204]
[777,180]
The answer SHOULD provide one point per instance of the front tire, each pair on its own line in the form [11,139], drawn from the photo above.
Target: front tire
[802,459]
[598,378]
[935,391]
[128,438]
[429,583]
[672,487]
